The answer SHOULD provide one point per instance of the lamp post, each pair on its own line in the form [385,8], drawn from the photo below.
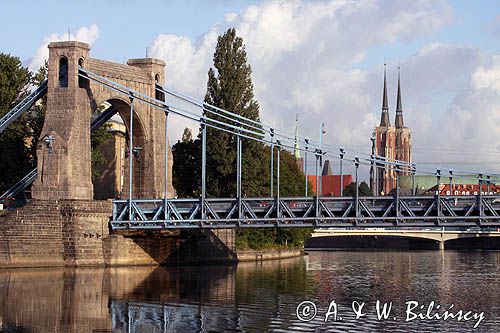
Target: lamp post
[322,131]
[342,153]
[373,167]
[451,181]
[306,146]
[356,202]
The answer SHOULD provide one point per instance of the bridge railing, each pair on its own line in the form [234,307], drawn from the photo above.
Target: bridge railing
[419,211]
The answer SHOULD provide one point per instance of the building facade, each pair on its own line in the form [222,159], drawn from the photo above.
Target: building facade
[391,143]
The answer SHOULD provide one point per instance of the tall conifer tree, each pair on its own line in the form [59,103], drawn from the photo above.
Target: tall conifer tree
[230,87]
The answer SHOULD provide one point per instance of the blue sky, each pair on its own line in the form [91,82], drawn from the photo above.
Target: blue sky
[127,27]
[321,59]
[472,25]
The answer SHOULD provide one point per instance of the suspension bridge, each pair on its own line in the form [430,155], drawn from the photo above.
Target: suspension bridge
[76,86]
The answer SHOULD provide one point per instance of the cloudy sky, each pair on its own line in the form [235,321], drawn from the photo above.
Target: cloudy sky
[320,59]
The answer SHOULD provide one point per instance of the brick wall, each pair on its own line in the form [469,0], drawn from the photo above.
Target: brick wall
[32,236]
[85,225]
[76,232]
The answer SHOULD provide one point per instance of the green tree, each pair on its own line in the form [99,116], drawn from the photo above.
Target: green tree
[187,135]
[14,147]
[186,167]
[363,190]
[36,116]
[230,87]
[99,138]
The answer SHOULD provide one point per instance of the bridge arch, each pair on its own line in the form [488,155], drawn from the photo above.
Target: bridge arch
[479,241]
[439,238]
[66,165]
[111,179]
[372,241]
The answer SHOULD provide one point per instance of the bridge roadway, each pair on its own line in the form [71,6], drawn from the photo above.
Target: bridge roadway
[409,211]
[440,236]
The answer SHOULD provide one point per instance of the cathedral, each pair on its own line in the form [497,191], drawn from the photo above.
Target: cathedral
[391,143]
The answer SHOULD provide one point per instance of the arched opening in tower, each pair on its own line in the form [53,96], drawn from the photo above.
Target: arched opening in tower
[111,152]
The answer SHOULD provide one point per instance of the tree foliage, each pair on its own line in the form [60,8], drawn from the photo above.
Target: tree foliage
[230,87]
[186,168]
[99,137]
[17,157]
[187,135]
[363,190]
[36,116]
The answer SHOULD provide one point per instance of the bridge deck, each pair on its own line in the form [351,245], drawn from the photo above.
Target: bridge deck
[323,212]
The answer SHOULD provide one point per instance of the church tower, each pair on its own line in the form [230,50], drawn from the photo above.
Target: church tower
[391,143]
[403,136]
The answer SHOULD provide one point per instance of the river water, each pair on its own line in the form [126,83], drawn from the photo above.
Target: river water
[260,297]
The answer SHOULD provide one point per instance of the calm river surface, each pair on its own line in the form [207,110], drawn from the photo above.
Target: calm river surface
[258,297]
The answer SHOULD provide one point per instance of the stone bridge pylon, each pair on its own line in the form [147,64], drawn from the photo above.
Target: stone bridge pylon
[64,151]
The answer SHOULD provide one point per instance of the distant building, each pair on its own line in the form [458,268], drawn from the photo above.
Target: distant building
[427,185]
[465,189]
[330,183]
[391,143]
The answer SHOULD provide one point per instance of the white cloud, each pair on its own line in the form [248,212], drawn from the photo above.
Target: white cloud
[473,119]
[84,34]
[299,53]
[488,78]
[305,58]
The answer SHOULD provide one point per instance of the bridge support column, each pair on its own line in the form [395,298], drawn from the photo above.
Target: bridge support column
[155,145]
[441,245]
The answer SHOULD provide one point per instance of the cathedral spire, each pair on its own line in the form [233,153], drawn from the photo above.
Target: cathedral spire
[399,106]
[296,145]
[384,119]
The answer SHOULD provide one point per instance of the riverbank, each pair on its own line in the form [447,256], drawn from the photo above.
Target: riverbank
[267,254]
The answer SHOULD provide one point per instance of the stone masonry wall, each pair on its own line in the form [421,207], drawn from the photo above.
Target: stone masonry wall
[76,233]
[32,236]
[85,225]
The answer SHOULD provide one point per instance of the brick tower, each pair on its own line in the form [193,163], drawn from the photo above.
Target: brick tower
[391,142]
[64,150]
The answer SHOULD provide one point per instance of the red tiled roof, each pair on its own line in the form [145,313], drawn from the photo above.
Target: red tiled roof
[331,184]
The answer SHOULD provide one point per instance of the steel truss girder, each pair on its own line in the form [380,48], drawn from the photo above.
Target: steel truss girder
[299,212]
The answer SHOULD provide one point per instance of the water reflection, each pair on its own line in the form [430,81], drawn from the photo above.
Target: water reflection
[251,297]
